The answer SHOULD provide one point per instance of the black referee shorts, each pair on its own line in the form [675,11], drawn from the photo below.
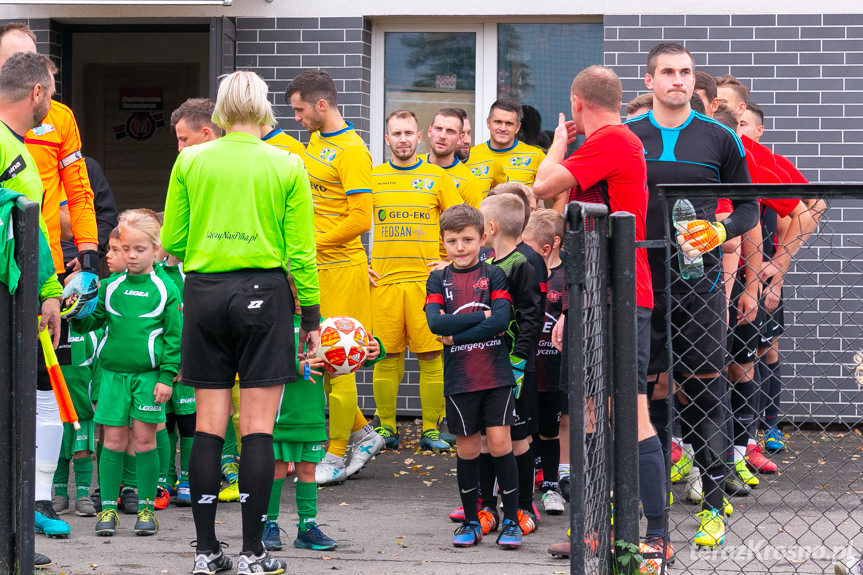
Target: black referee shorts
[238,322]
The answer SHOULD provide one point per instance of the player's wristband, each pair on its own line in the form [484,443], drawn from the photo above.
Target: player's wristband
[89,260]
[311,317]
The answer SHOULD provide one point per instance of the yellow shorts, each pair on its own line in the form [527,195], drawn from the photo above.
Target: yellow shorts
[399,320]
[345,291]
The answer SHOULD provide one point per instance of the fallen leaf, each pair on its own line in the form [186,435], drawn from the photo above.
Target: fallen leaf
[336,568]
[409,460]
[427,452]
[400,536]
[344,503]
[403,472]
[429,466]
[325,558]
[220,522]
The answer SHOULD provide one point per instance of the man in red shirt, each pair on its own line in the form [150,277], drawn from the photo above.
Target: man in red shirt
[609,168]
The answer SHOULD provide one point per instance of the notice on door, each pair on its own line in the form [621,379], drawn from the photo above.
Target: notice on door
[145,105]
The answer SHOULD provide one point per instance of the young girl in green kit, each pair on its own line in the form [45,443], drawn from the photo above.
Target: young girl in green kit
[139,357]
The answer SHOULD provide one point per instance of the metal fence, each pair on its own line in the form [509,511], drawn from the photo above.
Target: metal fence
[805,516]
[600,276]
[18,346]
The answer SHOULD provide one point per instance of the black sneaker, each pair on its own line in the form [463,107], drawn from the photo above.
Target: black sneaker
[147,524]
[129,501]
[263,564]
[314,538]
[563,486]
[211,563]
[41,561]
[735,487]
[106,522]
[96,497]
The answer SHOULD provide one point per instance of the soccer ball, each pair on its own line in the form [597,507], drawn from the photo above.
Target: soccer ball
[344,345]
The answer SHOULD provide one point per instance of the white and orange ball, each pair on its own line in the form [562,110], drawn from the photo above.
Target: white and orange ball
[344,345]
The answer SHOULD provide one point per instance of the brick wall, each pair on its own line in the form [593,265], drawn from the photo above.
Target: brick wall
[49,40]
[807,73]
[280,48]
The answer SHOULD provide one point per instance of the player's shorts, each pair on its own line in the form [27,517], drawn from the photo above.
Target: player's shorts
[345,291]
[642,341]
[182,400]
[310,451]
[773,326]
[125,396]
[79,382]
[549,412]
[471,412]
[238,322]
[75,440]
[526,409]
[399,320]
[698,331]
[743,338]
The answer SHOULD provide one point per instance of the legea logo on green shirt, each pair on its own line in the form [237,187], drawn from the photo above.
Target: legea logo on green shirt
[328,154]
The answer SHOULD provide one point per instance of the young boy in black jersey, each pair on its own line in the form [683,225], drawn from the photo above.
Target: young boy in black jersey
[504,222]
[544,234]
[467,307]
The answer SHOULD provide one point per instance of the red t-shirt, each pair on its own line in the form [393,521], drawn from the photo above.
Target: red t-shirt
[609,168]
[792,171]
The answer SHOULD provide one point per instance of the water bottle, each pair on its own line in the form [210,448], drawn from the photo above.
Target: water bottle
[682,214]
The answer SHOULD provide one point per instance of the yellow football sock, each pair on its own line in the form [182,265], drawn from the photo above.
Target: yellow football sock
[385,384]
[360,421]
[235,419]
[431,391]
[343,405]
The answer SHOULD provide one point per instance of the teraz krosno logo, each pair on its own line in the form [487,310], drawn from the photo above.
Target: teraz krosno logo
[328,155]
[382,215]
[420,184]
[479,171]
[520,161]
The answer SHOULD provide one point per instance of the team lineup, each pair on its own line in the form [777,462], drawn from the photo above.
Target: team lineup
[233,336]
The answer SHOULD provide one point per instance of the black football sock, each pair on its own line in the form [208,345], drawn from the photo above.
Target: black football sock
[507,480]
[549,450]
[467,475]
[743,398]
[774,391]
[651,484]
[204,482]
[486,481]
[257,466]
[526,474]
[658,409]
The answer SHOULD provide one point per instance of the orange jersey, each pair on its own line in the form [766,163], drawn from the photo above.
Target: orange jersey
[56,147]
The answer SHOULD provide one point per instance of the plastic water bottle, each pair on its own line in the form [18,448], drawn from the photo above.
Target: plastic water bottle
[682,214]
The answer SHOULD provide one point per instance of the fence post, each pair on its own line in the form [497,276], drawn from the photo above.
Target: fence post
[624,376]
[18,347]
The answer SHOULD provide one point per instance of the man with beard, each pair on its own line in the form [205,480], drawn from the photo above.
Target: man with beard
[409,195]
[26,87]
[463,150]
[445,136]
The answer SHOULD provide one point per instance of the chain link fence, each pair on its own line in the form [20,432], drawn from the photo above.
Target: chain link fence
[765,410]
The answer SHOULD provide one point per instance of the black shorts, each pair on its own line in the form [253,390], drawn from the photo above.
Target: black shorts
[773,326]
[549,408]
[471,412]
[743,338]
[642,341]
[526,409]
[564,403]
[698,331]
[238,322]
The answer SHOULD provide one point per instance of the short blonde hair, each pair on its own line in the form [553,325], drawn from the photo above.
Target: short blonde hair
[243,98]
[142,220]
[505,210]
[521,190]
[545,224]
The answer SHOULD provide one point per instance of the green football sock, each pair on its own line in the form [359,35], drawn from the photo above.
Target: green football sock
[83,475]
[110,475]
[185,453]
[61,477]
[229,448]
[172,461]
[307,503]
[275,499]
[148,473]
[163,447]
[130,478]
[98,451]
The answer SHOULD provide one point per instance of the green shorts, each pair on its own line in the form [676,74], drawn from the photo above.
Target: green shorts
[74,441]
[125,396]
[310,451]
[182,400]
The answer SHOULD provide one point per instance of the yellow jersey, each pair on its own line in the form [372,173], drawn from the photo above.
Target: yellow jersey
[283,141]
[338,165]
[407,205]
[518,162]
[469,187]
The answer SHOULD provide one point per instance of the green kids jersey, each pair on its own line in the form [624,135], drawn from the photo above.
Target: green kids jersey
[79,374]
[174,273]
[143,323]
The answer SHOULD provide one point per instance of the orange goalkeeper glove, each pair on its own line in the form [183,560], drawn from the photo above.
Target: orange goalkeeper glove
[700,236]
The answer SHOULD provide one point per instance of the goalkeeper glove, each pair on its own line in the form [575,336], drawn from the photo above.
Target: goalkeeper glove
[700,236]
[518,366]
[84,285]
